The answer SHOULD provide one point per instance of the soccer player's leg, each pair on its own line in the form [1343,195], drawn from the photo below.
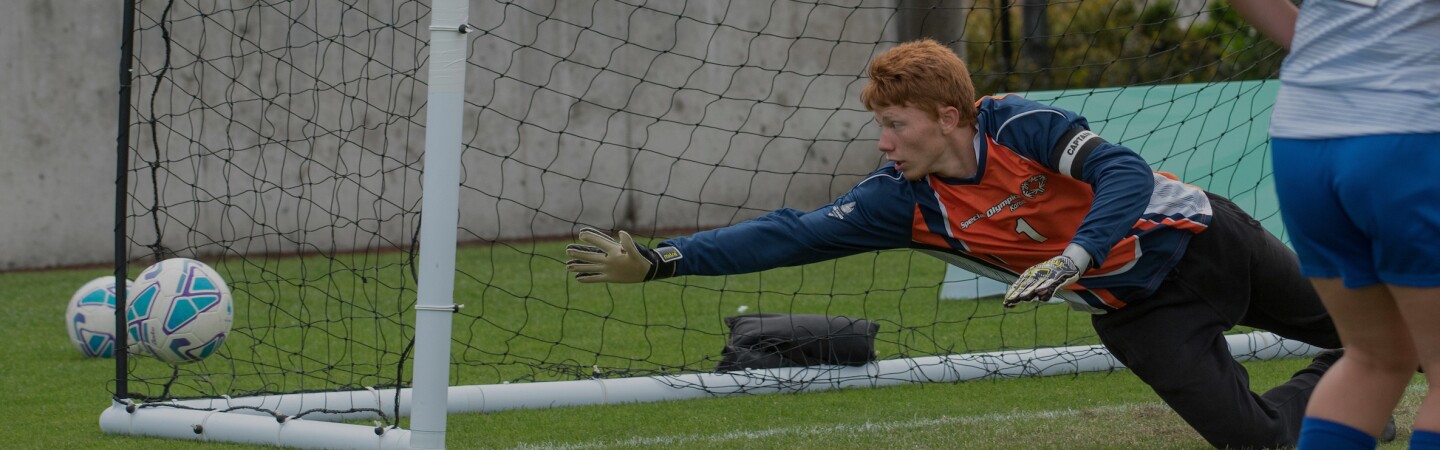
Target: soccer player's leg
[1177,347]
[1173,339]
[1282,300]
[1391,189]
[1362,389]
[1421,309]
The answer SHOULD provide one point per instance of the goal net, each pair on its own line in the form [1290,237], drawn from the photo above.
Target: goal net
[283,143]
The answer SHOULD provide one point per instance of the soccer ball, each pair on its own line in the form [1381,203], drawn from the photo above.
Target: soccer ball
[180,310]
[90,318]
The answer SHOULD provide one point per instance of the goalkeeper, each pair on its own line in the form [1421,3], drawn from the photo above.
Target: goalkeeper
[1026,194]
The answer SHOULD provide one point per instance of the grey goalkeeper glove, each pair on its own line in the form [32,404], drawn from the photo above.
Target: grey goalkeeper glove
[1043,280]
[606,260]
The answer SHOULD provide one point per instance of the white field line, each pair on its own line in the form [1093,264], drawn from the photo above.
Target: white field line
[867,427]
[844,429]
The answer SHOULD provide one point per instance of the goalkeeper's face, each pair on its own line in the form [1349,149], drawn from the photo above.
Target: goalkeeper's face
[919,143]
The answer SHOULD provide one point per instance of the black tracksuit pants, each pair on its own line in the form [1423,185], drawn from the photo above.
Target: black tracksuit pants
[1232,273]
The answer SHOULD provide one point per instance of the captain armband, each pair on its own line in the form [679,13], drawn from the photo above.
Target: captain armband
[1073,149]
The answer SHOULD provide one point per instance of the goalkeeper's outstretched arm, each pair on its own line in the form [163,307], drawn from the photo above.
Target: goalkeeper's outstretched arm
[875,215]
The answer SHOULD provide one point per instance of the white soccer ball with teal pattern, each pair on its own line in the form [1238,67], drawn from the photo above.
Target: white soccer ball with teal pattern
[90,318]
[180,309]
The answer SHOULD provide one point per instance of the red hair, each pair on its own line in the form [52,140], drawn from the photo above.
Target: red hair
[922,74]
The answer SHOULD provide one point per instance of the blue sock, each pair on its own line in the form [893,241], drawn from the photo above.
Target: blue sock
[1422,439]
[1321,434]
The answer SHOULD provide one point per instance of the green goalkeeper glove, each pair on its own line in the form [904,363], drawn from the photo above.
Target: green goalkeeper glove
[607,260]
[1042,281]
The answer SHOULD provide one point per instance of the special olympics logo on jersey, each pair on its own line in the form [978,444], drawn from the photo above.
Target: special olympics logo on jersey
[1033,187]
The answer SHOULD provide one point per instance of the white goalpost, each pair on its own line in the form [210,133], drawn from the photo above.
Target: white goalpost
[387,188]
[199,419]
[436,285]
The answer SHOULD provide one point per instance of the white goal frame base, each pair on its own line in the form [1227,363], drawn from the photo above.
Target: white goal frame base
[319,430]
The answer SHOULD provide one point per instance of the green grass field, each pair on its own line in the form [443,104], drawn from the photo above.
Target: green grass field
[53,396]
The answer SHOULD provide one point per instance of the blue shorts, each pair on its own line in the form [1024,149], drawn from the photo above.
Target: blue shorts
[1364,209]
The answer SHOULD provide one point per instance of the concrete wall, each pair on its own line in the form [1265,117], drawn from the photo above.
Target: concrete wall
[684,115]
[265,136]
[57,131]
[277,128]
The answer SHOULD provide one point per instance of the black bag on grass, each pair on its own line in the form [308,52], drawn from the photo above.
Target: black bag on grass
[767,341]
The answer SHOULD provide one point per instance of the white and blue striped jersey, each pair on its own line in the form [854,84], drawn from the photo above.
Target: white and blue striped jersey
[1360,70]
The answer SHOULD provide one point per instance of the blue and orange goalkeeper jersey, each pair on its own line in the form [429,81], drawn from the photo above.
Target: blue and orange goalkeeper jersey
[1044,181]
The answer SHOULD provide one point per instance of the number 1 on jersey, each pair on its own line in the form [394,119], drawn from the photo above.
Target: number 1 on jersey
[1023,227]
